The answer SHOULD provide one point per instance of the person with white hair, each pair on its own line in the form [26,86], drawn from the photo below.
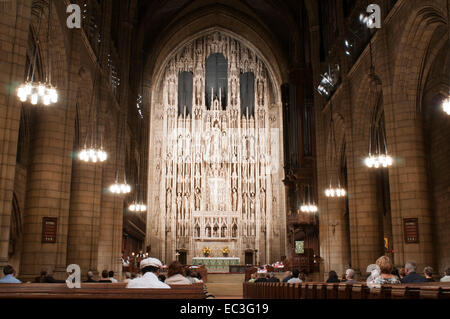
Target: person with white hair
[90,276]
[446,277]
[350,277]
[411,275]
[150,269]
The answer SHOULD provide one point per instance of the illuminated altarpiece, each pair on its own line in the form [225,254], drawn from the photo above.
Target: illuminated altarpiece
[215,170]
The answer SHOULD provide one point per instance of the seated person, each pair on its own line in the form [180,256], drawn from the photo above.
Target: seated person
[446,277]
[105,277]
[295,277]
[176,275]
[111,277]
[191,276]
[287,276]
[162,278]
[252,278]
[90,276]
[10,276]
[411,275]
[350,277]
[127,277]
[272,278]
[332,277]
[150,270]
[428,272]
[385,276]
[261,278]
[47,278]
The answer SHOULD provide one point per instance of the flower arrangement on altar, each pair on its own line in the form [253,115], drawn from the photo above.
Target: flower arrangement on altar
[206,251]
[225,251]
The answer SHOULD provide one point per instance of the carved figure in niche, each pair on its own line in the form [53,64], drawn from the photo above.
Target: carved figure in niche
[169,198]
[223,231]
[197,198]
[198,92]
[208,231]
[216,231]
[171,92]
[197,231]
[260,92]
[234,92]
[234,198]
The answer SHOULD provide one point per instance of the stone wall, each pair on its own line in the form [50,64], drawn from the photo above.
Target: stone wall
[413,40]
[52,182]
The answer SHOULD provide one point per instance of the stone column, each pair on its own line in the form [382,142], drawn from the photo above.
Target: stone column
[366,232]
[15,17]
[48,188]
[408,177]
[84,215]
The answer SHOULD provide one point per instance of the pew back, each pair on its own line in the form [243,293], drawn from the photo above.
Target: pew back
[316,290]
[99,291]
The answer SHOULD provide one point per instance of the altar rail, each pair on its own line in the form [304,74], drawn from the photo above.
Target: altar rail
[100,291]
[316,290]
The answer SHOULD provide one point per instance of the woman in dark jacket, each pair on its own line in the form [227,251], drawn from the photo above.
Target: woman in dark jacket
[332,277]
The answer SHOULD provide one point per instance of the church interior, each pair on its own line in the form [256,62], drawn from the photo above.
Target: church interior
[233,136]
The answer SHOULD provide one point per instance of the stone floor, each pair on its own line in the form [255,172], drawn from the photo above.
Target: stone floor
[225,286]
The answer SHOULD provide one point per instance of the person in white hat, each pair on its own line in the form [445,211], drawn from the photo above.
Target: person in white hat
[150,269]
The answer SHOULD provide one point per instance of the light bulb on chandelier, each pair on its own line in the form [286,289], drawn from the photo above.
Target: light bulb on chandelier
[378,161]
[309,208]
[118,188]
[35,93]
[137,207]
[446,105]
[335,192]
[92,155]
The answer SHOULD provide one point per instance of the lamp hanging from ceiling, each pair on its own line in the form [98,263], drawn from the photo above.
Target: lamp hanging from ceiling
[378,154]
[338,191]
[36,91]
[308,205]
[120,186]
[138,205]
[93,151]
[446,102]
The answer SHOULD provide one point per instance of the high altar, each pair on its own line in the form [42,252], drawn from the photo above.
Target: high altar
[216,264]
[215,174]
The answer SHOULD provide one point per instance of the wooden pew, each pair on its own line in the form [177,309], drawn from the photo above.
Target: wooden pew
[344,291]
[99,291]
[360,291]
[314,290]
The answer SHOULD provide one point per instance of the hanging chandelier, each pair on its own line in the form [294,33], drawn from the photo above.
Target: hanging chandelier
[446,102]
[334,192]
[39,92]
[378,154]
[136,207]
[308,206]
[93,155]
[138,204]
[120,188]
[93,151]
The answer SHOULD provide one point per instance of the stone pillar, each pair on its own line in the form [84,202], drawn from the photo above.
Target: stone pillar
[48,189]
[111,215]
[16,17]
[409,184]
[84,215]
[366,232]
